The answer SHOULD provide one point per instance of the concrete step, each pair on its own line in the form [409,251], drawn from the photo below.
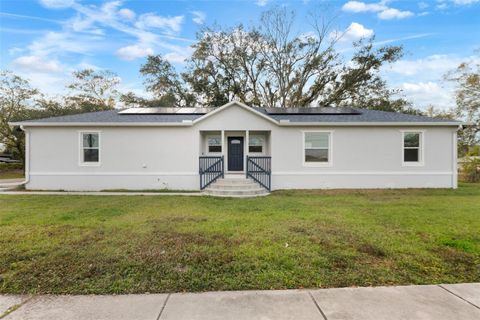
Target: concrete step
[233,186]
[236,193]
[234,181]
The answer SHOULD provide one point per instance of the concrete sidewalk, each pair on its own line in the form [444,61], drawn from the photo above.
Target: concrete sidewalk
[443,302]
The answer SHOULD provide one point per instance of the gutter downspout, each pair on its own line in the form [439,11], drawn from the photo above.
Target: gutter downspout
[27,161]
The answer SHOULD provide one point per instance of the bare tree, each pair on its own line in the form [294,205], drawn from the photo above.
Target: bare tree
[270,65]
[93,90]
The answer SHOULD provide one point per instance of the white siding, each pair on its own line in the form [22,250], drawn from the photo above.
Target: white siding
[167,157]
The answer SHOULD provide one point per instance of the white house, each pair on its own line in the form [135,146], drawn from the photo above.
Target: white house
[190,148]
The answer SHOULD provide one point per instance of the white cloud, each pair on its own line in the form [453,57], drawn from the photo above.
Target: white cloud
[36,64]
[168,24]
[383,11]
[127,14]
[465,2]
[423,5]
[15,50]
[63,42]
[422,79]
[47,60]
[394,14]
[434,64]
[444,4]
[356,31]
[261,3]
[358,6]
[199,17]
[134,52]
[175,57]
[57,4]
[424,94]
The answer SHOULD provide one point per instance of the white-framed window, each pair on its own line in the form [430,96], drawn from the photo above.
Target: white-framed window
[89,148]
[256,143]
[214,144]
[412,148]
[317,148]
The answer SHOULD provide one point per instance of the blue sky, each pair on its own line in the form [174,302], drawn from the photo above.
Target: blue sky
[45,40]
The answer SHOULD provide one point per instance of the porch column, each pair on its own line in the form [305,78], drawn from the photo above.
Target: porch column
[247,134]
[223,142]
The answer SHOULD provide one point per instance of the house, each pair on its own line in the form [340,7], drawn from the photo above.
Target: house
[192,148]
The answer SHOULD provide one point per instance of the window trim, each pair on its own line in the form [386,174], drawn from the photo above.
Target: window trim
[208,145]
[329,163]
[80,149]
[421,149]
[264,143]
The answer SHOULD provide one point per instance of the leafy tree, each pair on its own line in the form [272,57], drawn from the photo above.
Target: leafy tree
[93,90]
[16,98]
[162,80]
[89,91]
[437,113]
[269,65]
[132,100]
[467,95]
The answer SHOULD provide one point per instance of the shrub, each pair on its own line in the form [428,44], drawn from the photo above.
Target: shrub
[471,169]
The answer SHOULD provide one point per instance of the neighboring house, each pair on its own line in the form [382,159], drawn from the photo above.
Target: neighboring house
[303,148]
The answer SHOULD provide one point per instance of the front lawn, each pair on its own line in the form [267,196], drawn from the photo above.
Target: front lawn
[291,239]
[12,174]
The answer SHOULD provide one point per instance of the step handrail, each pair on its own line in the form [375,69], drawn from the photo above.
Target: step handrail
[263,173]
[210,169]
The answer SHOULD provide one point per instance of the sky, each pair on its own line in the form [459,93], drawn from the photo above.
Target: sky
[45,40]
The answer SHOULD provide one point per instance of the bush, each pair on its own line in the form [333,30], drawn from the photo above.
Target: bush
[10,166]
[471,169]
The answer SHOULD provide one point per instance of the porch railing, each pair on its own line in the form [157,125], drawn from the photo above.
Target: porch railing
[260,170]
[210,169]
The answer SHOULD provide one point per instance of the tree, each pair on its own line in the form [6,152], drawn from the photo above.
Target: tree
[438,113]
[467,96]
[16,98]
[162,80]
[93,90]
[269,65]
[89,91]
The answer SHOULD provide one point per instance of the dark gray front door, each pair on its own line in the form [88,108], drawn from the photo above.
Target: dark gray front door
[235,153]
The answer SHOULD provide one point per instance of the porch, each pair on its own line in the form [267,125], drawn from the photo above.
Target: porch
[235,154]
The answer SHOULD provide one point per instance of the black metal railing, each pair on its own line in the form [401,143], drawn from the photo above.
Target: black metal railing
[210,169]
[260,170]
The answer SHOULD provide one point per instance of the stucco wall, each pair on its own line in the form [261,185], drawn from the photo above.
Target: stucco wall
[167,157]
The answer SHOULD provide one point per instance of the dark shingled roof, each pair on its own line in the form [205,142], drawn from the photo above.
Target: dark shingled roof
[114,116]
[363,115]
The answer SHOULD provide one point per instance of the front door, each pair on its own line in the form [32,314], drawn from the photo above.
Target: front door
[235,153]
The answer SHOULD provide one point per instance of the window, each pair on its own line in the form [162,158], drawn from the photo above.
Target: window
[317,148]
[256,144]
[89,148]
[214,144]
[412,148]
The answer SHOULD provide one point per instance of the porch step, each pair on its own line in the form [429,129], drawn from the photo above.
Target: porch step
[235,187]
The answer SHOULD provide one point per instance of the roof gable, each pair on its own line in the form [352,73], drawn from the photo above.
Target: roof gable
[238,105]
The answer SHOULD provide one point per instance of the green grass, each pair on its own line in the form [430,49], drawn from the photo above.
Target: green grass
[12,174]
[291,239]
